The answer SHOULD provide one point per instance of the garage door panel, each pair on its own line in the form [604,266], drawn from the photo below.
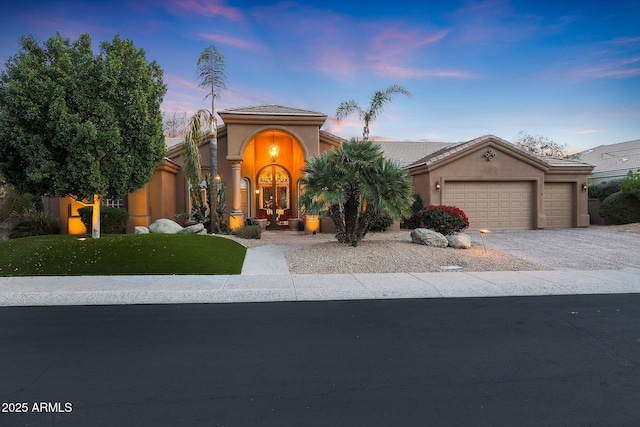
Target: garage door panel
[558,204]
[492,205]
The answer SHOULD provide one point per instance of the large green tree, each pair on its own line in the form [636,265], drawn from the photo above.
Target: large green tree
[213,78]
[73,122]
[355,183]
[378,100]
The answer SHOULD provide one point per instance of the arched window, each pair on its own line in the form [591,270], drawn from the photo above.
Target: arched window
[245,196]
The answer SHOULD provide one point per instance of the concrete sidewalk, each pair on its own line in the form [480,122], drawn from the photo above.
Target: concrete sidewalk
[108,290]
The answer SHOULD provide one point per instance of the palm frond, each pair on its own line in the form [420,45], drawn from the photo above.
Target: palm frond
[211,71]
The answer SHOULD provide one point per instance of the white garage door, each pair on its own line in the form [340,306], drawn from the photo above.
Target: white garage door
[492,205]
[558,204]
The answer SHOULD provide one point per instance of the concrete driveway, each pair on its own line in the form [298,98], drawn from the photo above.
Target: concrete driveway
[571,248]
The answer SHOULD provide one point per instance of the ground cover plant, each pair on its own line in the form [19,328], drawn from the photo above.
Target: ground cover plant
[65,255]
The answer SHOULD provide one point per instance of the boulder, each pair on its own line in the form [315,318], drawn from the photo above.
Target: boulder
[192,229]
[459,241]
[424,236]
[140,230]
[165,226]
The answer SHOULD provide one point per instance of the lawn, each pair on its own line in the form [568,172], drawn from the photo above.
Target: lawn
[64,255]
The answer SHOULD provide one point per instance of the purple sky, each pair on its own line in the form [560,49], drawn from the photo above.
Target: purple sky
[566,70]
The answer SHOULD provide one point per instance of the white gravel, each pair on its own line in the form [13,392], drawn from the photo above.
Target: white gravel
[389,252]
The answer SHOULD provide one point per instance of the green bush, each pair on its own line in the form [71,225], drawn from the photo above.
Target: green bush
[444,219]
[14,202]
[381,222]
[414,221]
[112,220]
[33,223]
[604,189]
[631,184]
[249,232]
[621,208]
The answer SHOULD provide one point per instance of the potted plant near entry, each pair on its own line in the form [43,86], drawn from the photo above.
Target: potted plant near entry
[293,223]
[261,220]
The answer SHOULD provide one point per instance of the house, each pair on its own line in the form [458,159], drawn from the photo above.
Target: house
[612,161]
[262,151]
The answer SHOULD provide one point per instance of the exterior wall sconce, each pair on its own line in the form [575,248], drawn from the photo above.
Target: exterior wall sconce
[585,187]
[437,185]
[274,150]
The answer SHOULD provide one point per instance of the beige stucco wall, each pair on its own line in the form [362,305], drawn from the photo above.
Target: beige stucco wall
[508,165]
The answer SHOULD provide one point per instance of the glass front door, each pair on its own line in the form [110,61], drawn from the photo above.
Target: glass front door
[274,197]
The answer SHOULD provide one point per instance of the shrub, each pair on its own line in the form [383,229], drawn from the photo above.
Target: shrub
[14,202]
[249,232]
[33,223]
[414,221]
[621,208]
[606,188]
[112,220]
[381,222]
[444,219]
[631,184]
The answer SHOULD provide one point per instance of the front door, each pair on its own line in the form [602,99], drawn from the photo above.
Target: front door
[274,185]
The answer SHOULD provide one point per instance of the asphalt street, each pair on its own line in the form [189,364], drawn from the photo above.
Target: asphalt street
[549,360]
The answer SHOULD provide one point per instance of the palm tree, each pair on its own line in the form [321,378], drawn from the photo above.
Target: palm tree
[379,98]
[213,77]
[355,183]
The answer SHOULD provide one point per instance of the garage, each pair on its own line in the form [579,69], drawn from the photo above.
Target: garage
[558,204]
[493,205]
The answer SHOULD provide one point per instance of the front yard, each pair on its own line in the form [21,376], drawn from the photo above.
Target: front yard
[63,255]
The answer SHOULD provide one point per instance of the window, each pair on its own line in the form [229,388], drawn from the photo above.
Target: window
[245,201]
[113,203]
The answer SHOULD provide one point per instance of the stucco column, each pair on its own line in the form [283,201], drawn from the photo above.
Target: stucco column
[237,217]
[138,207]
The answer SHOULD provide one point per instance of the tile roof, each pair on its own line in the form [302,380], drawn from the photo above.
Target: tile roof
[405,153]
[454,148]
[623,156]
[272,110]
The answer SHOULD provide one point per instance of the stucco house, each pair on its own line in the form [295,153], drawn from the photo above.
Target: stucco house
[612,161]
[262,151]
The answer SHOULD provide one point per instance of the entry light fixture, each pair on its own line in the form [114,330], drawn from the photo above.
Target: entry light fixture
[437,185]
[274,150]
[585,187]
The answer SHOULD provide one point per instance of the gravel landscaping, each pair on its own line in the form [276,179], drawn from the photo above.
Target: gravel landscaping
[390,252]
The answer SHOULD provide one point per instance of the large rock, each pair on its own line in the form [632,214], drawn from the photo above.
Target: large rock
[165,226]
[140,230]
[424,236]
[192,229]
[459,241]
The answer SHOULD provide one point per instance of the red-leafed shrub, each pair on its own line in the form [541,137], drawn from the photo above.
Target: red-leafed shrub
[443,219]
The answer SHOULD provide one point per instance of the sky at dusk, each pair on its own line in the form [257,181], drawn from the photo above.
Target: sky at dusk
[565,70]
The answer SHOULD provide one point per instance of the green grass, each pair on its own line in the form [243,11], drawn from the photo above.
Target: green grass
[64,255]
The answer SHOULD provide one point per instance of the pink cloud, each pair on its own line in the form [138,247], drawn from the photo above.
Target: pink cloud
[408,72]
[210,8]
[617,69]
[395,41]
[343,46]
[233,41]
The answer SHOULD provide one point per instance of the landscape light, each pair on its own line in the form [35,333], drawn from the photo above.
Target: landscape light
[482,233]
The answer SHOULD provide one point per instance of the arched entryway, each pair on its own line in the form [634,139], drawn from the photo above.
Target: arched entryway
[274,194]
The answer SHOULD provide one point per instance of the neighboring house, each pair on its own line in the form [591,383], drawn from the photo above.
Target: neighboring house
[612,161]
[262,151]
